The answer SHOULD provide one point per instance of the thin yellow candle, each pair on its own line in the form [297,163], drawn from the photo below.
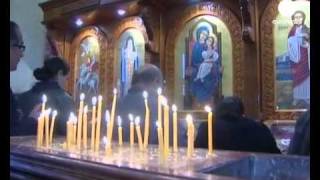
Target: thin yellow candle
[159,105]
[40,130]
[80,114]
[119,130]
[107,146]
[210,147]
[93,122]
[166,126]
[137,122]
[160,137]
[131,129]
[69,124]
[54,115]
[47,126]
[146,121]
[97,143]
[112,115]
[190,135]
[175,128]
[85,127]
[44,100]
[74,129]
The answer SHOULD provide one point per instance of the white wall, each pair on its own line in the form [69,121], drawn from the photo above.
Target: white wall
[28,15]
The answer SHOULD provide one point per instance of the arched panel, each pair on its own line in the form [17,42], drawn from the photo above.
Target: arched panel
[224,21]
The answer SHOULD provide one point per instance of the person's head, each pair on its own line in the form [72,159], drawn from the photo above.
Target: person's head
[130,44]
[16,45]
[210,42]
[148,76]
[54,68]
[230,107]
[298,17]
[202,34]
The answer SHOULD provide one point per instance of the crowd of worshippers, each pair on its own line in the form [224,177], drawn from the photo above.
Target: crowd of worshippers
[233,130]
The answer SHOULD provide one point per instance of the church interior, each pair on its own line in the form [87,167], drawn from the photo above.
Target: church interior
[141,89]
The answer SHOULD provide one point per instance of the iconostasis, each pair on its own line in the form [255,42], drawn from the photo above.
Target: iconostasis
[207,51]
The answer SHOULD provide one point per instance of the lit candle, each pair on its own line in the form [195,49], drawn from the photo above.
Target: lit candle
[137,122]
[107,119]
[54,115]
[166,126]
[80,113]
[210,147]
[146,121]
[159,105]
[74,129]
[97,143]
[85,127]
[175,128]
[40,130]
[190,135]
[47,126]
[160,137]
[44,100]
[69,129]
[119,130]
[93,122]
[113,109]
[107,146]
[131,129]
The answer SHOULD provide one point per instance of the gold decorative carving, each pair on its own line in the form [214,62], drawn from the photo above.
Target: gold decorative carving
[268,72]
[234,27]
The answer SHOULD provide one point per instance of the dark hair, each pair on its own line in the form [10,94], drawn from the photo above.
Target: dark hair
[51,68]
[127,40]
[13,31]
[230,107]
[302,13]
[147,74]
[202,28]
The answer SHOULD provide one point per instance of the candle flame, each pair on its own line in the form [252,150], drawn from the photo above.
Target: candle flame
[130,116]
[137,120]
[105,140]
[85,109]
[119,120]
[100,98]
[48,111]
[107,116]
[115,91]
[82,96]
[94,100]
[164,101]
[40,116]
[157,124]
[189,118]
[44,98]
[145,94]
[207,108]
[174,108]
[54,113]
[159,91]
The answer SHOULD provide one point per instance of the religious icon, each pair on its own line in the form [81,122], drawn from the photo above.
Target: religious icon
[293,63]
[204,69]
[88,71]
[131,57]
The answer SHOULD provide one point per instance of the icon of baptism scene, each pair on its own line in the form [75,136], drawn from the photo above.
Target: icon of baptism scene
[292,55]
[160,89]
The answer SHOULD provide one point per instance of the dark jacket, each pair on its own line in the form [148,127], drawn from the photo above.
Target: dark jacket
[300,142]
[238,134]
[58,99]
